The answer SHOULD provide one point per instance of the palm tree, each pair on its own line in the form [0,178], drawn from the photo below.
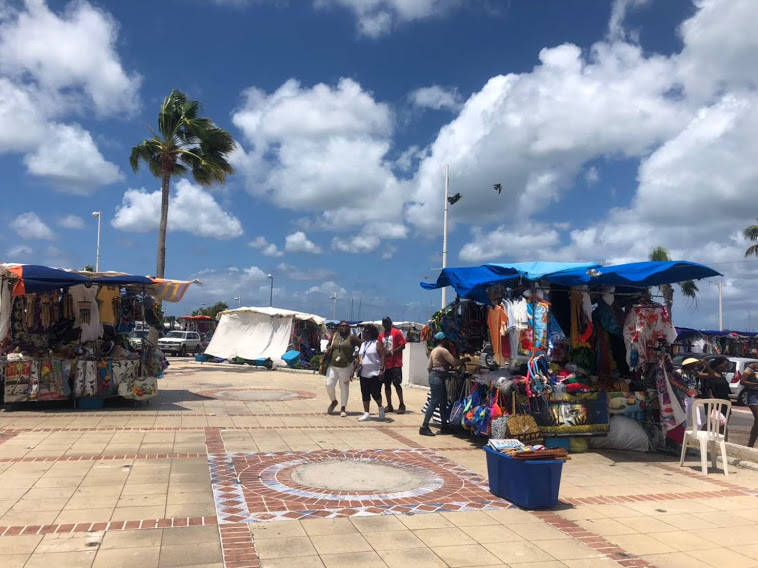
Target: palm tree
[688,287]
[751,233]
[184,142]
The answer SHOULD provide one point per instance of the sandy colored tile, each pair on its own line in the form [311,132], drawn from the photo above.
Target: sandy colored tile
[19,544]
[413,557]
[144,489]
[69,542]
[647,524]
[585,563]
[675,560]
[541,531]
[567,549]
[491,533]
[284,547]
[448,536]
[23,517]
[605,527]
[518,552]
[640,544]
[190,554]
[378,523]
[277,530]
[127,558]
[292,562]
[317,527]
[393,540]
[683,541]
[353,560]
[340,543]
[468,518]
[61,560]
[146,500]
[466,555]
[513,516]
[190,535]
[13,560]
[137,513]
[143,538]
[723,558]
[426,521]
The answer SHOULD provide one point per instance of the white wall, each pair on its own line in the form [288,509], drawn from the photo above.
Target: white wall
[414,364]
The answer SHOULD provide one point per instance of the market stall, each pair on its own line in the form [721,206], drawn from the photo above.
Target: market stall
[575,347]
[63,334]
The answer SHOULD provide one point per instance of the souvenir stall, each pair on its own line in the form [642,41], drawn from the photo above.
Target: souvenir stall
[571,349]
[63,334]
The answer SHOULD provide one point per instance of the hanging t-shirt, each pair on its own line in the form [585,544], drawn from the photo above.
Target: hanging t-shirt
[105,298]
[392,342]
[644,326]
[86,312]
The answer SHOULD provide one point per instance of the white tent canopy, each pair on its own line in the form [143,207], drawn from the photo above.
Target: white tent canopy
[255,333]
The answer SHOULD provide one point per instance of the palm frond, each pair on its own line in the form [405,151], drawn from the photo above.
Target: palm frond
[751,233]
[689,289]
[752,251]
[660,254]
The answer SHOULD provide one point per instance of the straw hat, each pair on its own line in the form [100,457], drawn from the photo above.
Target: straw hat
[690,361]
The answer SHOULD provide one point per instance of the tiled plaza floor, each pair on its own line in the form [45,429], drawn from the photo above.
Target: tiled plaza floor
[205,476]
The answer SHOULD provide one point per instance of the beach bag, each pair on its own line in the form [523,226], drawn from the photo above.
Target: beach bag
[523,427]
[456,410]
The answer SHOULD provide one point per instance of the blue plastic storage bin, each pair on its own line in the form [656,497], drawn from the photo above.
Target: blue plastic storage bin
[531,484]
[292,358]
[554,442]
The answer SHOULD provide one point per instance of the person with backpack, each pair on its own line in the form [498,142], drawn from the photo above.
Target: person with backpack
[341,357]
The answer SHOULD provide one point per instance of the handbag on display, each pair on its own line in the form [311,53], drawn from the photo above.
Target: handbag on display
[523,427]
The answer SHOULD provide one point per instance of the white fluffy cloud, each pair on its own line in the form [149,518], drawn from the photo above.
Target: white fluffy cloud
[531,241]
[377,17]
[53,66]
[18,252]
[437,98]
[299,242]
[69,158]
[72,50]
[29,226]
[328,288]
[305,274]
[266,248]
[71,222]
[191,209]
[328,145]
[370,238]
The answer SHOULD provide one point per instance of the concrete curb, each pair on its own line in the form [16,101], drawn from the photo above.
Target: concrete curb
[742,456]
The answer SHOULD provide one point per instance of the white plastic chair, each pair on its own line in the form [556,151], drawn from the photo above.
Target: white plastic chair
[713,413]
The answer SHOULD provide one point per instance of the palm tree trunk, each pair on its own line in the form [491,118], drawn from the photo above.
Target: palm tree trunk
[161,268]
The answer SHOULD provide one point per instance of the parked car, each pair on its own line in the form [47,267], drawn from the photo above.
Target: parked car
[734,373]
[135,338]
[180,342]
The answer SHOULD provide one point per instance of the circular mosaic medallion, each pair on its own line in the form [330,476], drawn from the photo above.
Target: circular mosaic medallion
[359,476]
[256,394]
[349,478]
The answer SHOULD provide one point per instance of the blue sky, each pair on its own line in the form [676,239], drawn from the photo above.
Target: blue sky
[614,127]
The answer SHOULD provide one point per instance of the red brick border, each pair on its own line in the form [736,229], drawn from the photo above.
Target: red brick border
[214,442]
[173,522]
[105,457]
[237,546]
[592,540]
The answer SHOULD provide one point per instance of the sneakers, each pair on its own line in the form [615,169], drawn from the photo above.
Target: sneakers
[381,413]
[401,409]
[331,408]
[425,431]
[363,417]
[389,408]
[342,412]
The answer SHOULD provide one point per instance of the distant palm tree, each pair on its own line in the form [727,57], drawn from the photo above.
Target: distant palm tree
[751,233]
[688,287]
[184,142]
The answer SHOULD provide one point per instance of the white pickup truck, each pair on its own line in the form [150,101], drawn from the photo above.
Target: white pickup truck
[180,343]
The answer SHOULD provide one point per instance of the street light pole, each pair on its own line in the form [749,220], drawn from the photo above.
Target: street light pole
[239,301]
[444,231]
[334,305]
[97,258]
[271,291]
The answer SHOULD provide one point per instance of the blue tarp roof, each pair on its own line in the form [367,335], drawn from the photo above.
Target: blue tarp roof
[471,282]
[37,278]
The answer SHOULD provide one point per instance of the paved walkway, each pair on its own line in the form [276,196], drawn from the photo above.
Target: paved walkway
[222,469]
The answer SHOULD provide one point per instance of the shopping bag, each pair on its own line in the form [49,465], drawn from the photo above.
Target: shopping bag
[523,427]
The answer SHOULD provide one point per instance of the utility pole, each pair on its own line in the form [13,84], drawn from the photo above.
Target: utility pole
[334,305]
[97,258]
[721,307]
[444,231]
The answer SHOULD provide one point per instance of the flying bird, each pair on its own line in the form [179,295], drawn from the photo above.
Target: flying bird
[453,198]
[498,187]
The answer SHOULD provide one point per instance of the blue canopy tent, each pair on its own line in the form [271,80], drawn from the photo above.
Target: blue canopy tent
[472,282]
